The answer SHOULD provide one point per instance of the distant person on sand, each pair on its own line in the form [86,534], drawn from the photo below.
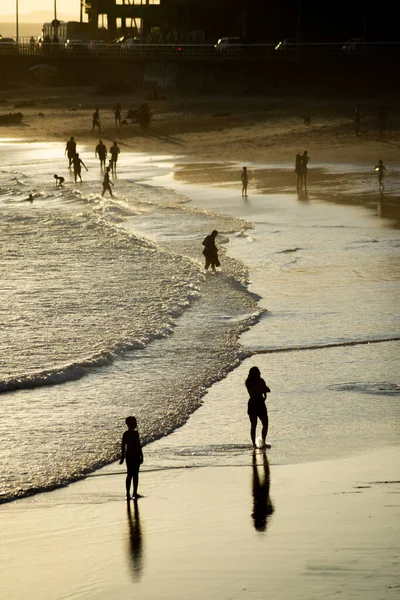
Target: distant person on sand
[357,119]
[131,450]
[117,115]
[77,167]
[101,152]
[297,169]
[107,183]
[382,118]
[59,180]
[256,408]
[114,151]
[210,251]
[304,169]
[96,120]
[70,151]
[245,181]
[381,170]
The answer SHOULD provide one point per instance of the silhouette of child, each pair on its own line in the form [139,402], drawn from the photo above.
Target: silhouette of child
[106,182]
[59,180]
[131,451]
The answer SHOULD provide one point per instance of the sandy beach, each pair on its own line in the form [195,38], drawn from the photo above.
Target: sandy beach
[333,531]
[252,529]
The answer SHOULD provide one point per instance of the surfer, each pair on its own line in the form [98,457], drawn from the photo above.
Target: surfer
[210,251]
[256,408]
[131,451]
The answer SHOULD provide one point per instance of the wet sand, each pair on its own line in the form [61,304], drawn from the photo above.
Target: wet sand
[334,527]
[325,529]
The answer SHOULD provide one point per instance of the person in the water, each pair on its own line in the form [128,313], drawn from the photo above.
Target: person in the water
[256,408]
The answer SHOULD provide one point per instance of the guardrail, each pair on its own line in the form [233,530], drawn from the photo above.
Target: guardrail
[250,52]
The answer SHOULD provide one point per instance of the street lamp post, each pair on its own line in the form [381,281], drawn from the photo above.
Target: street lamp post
[16,22]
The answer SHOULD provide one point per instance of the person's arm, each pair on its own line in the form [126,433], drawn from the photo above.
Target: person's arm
[122,450]
[84,165]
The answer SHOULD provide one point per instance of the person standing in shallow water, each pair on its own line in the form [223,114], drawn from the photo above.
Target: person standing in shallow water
[77,167]
[245,181]
[114,151]
[106,182]
[101,152]
[256,407]
[381,170]
[304,169]
[70,151]
[210,251]
[96,120]
[131,452]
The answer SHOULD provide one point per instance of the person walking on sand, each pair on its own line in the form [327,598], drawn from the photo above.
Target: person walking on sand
[96,120]
[245,181]
[114,151]
[107,183]
[70,151]
[304,169]
[117,115]
[256,407]
[381,170]
[210,251]
[101,152]
[77,167]
[297,169]
[131,452]
[357,119]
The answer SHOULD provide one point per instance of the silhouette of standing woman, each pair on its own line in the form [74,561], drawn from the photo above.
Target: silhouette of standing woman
[131,450]
[210,251]
[256,408]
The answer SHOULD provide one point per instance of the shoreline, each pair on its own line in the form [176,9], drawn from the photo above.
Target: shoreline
[329,527]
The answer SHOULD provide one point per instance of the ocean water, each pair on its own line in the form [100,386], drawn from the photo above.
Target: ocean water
[106,311]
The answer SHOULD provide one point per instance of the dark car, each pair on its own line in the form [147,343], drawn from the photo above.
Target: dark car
[229,46]
[8,46]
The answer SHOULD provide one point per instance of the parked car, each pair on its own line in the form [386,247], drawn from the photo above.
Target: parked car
[8,46]
[354,45]
[76,46]
[286,45]
[229,46]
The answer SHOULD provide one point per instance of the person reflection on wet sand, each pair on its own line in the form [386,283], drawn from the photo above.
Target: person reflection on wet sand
[262,504]
[135,541]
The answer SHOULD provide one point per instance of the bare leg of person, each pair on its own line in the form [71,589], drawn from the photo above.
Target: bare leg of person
[128,485]
[253,427]
[264,432]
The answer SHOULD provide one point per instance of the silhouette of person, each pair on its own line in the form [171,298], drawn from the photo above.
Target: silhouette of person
[256,408]
[114,151]
[106,182]
[135,541]
[131,451]
[297,169]
[59,180]
[101,152]
[77,167]
[30,198]
[117,114]
[144,117]
[262,504]
[304,169]
[357,119]
[382,118]
[70,151]
[96,120]
[245,180]
[210,251]
[381,170]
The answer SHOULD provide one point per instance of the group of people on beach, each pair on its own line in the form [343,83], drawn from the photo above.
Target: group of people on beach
[142,115]
[76,162]
[131,449]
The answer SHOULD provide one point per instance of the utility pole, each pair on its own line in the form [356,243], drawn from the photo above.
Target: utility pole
[16,22]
